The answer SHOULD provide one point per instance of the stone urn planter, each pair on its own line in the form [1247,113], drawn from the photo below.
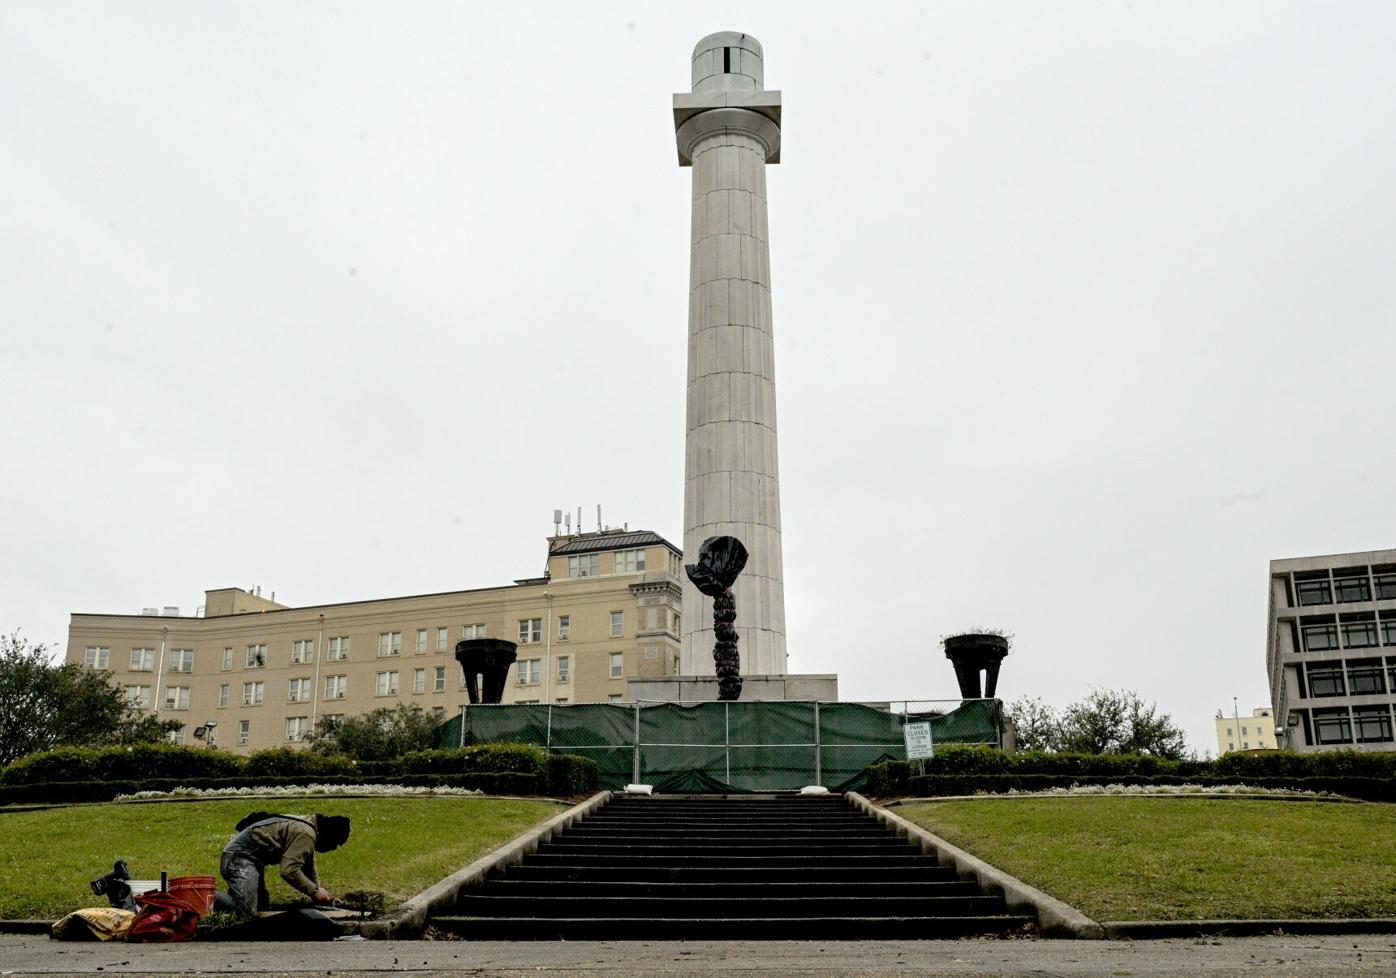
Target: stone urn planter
[971,653]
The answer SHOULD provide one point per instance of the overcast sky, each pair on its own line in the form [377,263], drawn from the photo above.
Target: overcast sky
[1083,313]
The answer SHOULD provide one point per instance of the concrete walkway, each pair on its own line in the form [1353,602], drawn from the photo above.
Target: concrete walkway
[1259,957]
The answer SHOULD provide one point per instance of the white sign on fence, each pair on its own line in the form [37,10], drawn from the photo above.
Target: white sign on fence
[918,741]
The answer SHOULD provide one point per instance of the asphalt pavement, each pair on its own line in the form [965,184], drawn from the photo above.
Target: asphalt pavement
[1313,957]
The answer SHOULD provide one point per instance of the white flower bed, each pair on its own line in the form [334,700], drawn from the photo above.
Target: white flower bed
[293,791]
[1166,789]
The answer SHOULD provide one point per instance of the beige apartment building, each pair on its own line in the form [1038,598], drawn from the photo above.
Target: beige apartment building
[1254,732]
[1331,650]
[606,610]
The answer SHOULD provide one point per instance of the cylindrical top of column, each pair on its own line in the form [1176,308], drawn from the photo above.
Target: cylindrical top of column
[728,62]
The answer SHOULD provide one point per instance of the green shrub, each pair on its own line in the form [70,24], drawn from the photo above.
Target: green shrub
[888,778]
[967,759]
[570,774]
[936,786]
[290,762]
[481,758]
[135,762]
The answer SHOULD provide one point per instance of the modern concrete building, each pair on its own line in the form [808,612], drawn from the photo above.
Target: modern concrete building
[728,129]
[1254,732]
[1331,650]
[605,610]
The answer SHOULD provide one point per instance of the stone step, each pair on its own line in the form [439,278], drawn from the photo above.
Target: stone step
[735,847]
[720,929]
[801,873]
[591,887]
[485,904]
[616,836]
[878,860]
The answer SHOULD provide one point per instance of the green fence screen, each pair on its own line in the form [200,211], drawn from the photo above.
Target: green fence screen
[756,746]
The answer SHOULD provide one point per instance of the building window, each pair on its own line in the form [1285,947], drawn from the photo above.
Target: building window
[336,687]
[1365,676]
[1320,638]
[1333,726]
[421,641]
[181,660]
[442,639]
[630,561]
[564,627]
[1386,586]
[142,660]
[176,737]
[617,624]
[389,643]
[1231,745]
[1354,588]
[244,729]
[476,630]
[564,668]
[1359,634]
[1314,592]
[528,671]
[1372,723]
[615,698]
[298,691]
[138,696]
[176,697]
[678,620]
[1326,679]
[439,680]
[227,658]
[297,728]
[257,656]
[1244,730]
[96,658]
[561,699]
[302,651]
[419,680]
[530,630]
[438,712]
[675,565]
[224,695]
[252,693]
[584,565]
[339,648]
[387,684]
[1388,631]
[617,664]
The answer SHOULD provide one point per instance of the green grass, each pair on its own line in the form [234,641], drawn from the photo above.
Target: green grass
[399,846]
[1184,858]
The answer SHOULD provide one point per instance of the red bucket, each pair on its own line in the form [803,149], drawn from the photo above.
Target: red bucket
[197,891]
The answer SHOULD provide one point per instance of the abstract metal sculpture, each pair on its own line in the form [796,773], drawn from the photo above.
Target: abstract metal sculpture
[720,560]
[489,659]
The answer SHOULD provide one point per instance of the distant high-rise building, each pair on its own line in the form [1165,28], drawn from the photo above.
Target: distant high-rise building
[1253,732]
[1331,650]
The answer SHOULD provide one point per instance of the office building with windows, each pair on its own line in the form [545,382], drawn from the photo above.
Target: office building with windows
[1331,650]
[606,610]
[1254,732]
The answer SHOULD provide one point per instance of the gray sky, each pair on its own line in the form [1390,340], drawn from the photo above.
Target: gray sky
[1083,313]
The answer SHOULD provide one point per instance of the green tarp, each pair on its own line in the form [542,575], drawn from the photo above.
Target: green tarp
[756,746]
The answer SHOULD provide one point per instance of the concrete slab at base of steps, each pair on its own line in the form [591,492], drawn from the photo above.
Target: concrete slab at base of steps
[409,919]
[1055,918]
[710,929]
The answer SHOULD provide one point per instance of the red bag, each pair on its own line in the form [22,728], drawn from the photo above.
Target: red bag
[162,918]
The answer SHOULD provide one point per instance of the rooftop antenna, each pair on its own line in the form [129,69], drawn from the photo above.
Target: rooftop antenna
[568,521]
[579,519]
[557,522]
[599,527]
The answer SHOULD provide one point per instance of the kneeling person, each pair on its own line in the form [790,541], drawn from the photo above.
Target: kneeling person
[287,840]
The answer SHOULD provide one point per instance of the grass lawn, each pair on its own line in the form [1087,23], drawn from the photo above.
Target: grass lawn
[399,846]
[1183,858]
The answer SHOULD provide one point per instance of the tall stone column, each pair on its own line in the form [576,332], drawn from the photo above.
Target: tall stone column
[728,129]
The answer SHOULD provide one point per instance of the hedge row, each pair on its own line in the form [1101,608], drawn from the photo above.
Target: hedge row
[71,792]
[942,785]
[147,765]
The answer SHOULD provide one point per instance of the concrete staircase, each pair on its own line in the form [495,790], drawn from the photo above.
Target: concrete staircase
[726,867]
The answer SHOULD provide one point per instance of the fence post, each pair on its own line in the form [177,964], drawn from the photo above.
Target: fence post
[818,749]
[463,708]
[635,764]
[548,736]
[727,738]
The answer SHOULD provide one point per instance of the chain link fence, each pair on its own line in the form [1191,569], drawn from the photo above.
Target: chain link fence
[710,746]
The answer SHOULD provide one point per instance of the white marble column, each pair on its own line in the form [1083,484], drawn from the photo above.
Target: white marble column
[728,129]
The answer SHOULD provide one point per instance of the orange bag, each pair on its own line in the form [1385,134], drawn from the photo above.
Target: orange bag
[163,918]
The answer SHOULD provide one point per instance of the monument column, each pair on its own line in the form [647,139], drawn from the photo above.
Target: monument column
[728,129]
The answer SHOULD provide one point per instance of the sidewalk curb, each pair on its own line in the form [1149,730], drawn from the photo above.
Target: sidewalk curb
[1056,918]
[409,919]
[26,926]
[1148,930]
